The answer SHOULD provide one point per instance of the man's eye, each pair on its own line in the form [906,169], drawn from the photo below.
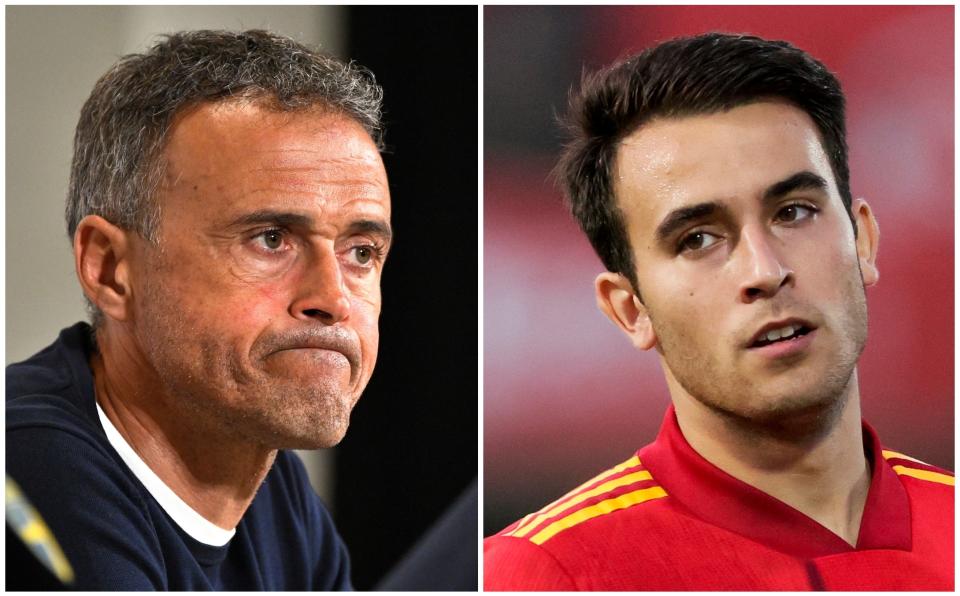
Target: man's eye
[271,239]
[697,241]
[796,212]
[366,254]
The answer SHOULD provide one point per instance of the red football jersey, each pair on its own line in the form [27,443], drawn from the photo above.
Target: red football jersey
[667,519]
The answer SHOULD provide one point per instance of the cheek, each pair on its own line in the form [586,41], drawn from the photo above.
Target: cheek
[365,318]
[246,310]
[229,306]
[832,267]
[365,299]
[261,301]
[689,291]
[370,342]
[683,307]
[840,283]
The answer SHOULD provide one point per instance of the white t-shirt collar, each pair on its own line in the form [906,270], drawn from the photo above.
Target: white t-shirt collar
[191,522]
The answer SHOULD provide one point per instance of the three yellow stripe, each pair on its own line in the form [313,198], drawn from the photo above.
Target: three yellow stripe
[579,495]
[601,508]
[633,461]
[603,488]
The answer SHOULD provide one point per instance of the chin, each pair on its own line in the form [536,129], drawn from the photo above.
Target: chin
[327,434]
[304,417]
[309,443]
[799,415]
[790,409]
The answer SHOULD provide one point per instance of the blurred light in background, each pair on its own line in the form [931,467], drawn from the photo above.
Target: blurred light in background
[565,394]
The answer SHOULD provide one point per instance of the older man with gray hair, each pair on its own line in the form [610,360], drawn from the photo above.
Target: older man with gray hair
[230,218]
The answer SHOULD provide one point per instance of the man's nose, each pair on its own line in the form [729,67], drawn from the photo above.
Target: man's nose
[322,293]
[764,270]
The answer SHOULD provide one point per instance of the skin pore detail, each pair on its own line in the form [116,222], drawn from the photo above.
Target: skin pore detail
[250,325]
[737,228]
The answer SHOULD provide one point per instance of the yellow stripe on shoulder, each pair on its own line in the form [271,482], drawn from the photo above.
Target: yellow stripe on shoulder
[887,454]
[580,498]
[924,475]
[602,508]
[633,461]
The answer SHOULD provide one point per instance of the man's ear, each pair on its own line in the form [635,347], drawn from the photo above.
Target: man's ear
[617,300]
[868,241]
[101,254]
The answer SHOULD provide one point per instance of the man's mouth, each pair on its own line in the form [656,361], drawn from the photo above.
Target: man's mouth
[340,343]
[780,333]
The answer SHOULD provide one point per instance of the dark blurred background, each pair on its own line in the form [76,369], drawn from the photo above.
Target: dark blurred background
[565,394]
[412,445]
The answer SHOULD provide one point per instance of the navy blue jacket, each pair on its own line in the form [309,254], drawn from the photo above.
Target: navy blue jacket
[114,533]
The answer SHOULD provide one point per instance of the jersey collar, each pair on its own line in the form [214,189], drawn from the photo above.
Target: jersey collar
[722,500]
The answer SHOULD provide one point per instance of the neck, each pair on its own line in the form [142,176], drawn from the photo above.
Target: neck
[816,464]
[214,472]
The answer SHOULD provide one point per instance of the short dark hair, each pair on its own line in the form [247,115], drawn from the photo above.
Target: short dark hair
[117,158]
[686,76]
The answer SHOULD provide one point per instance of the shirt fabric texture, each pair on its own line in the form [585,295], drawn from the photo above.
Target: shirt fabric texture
[667,519]
[112,531]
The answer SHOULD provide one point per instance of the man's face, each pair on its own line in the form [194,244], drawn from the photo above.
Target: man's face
[259,308]
[738,230]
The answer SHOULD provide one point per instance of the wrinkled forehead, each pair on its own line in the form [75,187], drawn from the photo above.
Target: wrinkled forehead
[235,155]
[673,162]
[215,139]
[263,126]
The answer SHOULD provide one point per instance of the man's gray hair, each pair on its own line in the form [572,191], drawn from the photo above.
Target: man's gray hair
[117,159]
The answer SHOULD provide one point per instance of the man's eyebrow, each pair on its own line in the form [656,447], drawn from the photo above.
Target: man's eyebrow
[679,218]
[800,181]
[272,217]
[290,219]
[371,226]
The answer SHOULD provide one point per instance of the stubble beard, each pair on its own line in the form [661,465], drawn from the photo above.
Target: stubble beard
[796,415]
[222,395]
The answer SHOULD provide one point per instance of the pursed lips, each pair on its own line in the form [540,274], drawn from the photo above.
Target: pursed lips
[328,339]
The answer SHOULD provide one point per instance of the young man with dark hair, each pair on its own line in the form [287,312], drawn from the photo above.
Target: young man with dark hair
[710,174]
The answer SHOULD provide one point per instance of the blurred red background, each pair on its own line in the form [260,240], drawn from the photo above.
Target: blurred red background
[565,395]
